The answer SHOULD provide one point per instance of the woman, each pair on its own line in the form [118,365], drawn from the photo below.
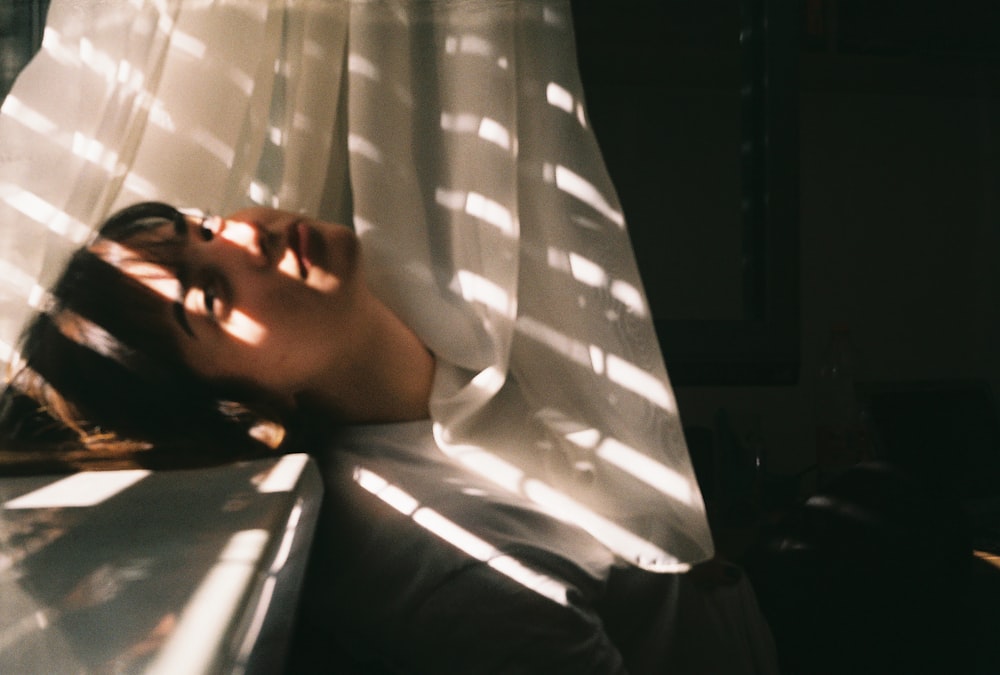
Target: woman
[169,322]
[183,338]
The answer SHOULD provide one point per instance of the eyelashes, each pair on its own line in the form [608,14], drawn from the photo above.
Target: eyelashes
[209,297]
[212,300]
[209,303]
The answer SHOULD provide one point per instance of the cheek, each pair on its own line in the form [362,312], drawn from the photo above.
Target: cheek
[244,328]
[270,366]
[262,311]
[290,351]
[281,334]
[282,369]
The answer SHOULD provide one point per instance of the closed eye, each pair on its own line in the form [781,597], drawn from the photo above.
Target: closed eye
[207,298]
[215,296]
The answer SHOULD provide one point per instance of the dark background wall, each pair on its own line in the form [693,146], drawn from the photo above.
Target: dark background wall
[898,136]
[21,26]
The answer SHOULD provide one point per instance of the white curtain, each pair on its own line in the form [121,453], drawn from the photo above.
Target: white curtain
[453,135]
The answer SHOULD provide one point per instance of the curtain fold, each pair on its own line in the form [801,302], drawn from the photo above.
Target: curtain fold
[68,132]
[453,135]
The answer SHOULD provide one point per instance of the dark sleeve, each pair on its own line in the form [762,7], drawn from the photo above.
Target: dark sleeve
[384,595]
[480,621]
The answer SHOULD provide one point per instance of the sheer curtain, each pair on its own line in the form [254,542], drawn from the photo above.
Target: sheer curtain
[453,135]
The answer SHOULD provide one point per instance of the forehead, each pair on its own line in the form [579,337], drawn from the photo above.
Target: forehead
[152,256]
[155,239]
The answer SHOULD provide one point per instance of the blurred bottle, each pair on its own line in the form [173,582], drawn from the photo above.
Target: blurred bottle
[841,435]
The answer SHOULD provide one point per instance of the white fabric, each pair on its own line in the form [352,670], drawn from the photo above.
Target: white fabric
[475,181]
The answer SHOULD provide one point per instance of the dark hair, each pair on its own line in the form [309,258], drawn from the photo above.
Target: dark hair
[100,379]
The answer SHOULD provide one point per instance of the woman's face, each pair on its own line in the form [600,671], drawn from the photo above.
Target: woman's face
[265,297]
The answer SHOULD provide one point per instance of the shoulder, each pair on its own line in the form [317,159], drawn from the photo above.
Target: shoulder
[423,580]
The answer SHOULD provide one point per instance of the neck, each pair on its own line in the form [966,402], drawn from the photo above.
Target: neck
[387,378]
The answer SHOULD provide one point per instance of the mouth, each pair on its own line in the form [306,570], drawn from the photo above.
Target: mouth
[299,235]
